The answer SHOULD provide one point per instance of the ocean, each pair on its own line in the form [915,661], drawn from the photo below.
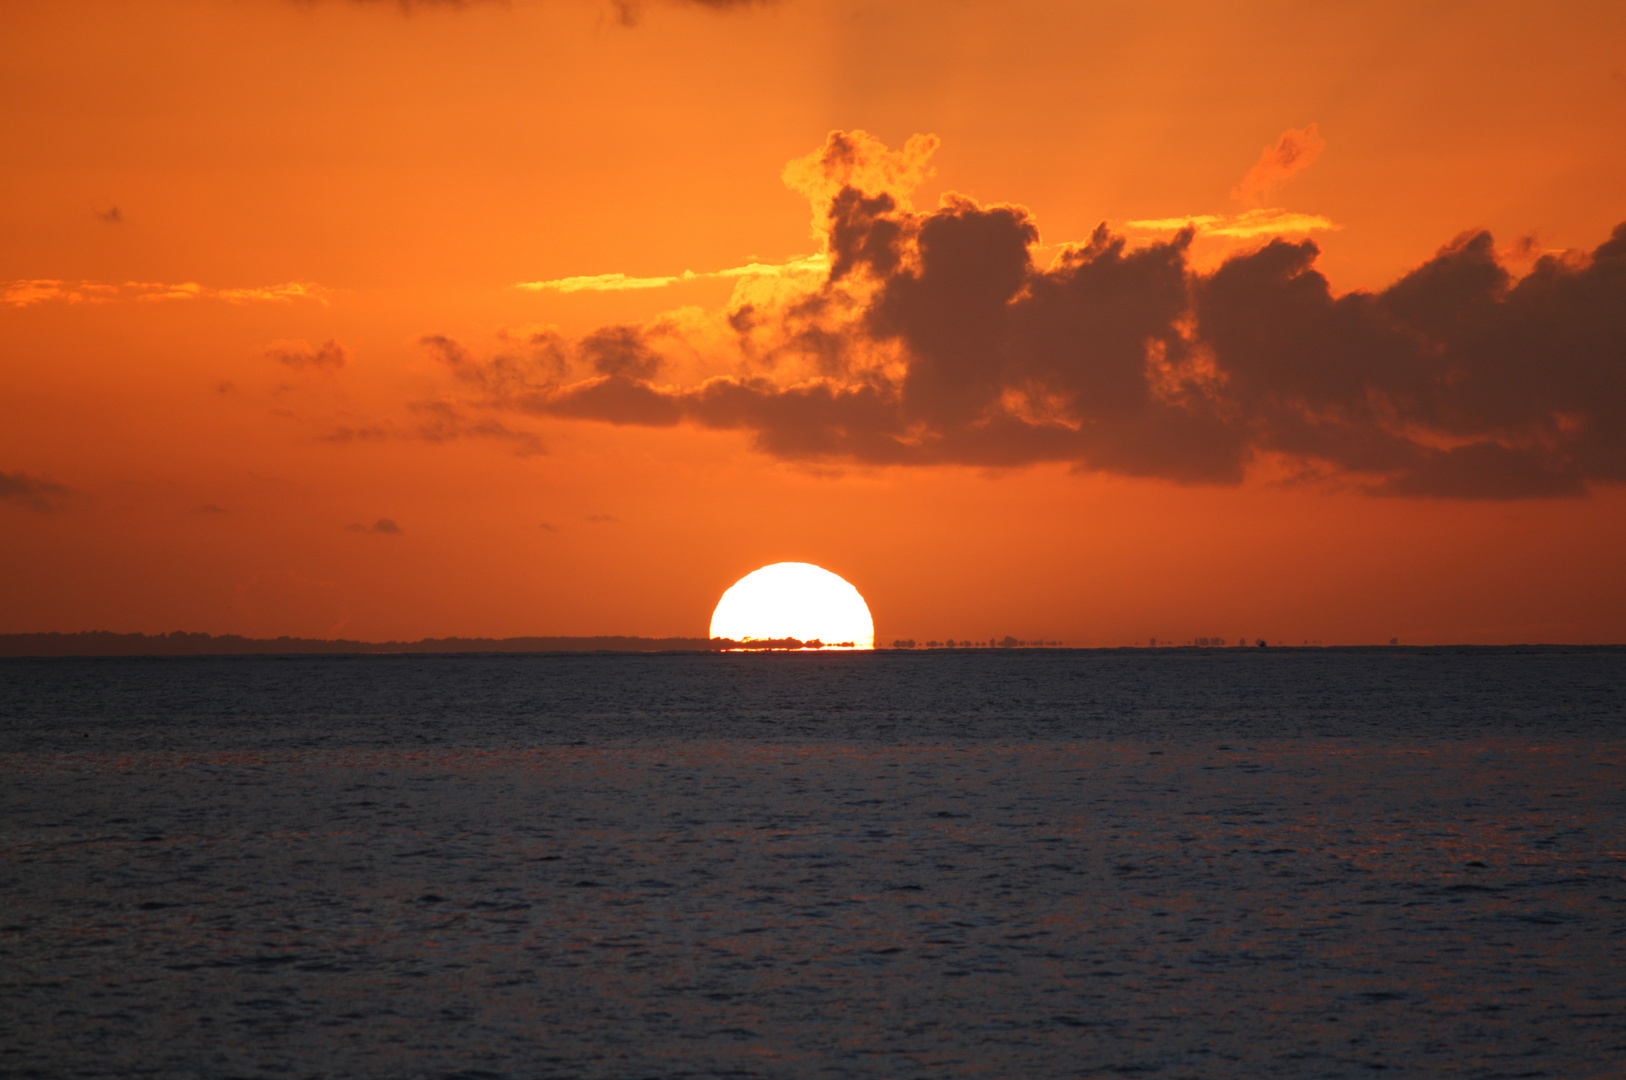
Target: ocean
[970,863]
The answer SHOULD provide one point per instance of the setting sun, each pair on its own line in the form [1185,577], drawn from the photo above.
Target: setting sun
[794,600]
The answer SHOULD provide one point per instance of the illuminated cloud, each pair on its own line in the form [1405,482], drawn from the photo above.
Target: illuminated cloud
[809,264]
[25,292]
[1296,149]
[35,291]
[601,283]
[1248,225]
[933,338]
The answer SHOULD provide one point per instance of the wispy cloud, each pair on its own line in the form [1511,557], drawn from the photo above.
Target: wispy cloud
[1243,226]
[33,492]
[24,292]
[807,264]
[602,283]
[302,355]
[1296,149]
[383,527]
[436,422]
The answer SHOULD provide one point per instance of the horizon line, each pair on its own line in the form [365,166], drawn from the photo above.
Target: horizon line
[180,643]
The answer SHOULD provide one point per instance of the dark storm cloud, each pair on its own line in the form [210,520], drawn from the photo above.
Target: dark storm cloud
[20,489]
[1455,381]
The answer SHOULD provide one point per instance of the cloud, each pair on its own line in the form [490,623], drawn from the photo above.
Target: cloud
[27,291]
[444,421]
[1248,225]
[383,526]
[33,492]
[627,12]
[601,283]
[859,162]
[301,355]
[112,215]
[209,510]
[436,421]
[1296,149]
[807,264]
[933,337]
[630,11]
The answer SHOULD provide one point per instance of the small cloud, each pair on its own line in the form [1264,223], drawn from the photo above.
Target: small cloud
[288,290]
[1296,149]
[383,526]
[28,291]
[210,509]
[598,283]
[803,264]
[601,519]
[548,526]
[443,421]
[31,491]
[1244,226]
[302,356]
[346,434]
[112,215]
[628,12]
[22,293]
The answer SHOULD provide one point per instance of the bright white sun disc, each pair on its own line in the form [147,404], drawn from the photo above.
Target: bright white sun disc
[794,600]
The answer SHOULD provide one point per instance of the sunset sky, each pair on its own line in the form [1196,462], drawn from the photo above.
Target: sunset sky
[1085,321]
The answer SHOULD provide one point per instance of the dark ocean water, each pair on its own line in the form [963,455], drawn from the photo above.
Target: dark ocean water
[1228,863]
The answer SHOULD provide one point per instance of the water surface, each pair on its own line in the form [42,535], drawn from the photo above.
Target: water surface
[1186,864]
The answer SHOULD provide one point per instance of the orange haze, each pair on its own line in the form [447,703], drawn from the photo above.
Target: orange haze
[275,271]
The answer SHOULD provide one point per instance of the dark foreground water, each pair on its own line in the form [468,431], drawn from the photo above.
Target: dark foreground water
[973,864]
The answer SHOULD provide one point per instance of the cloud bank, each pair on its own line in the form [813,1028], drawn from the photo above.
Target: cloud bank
[933,337]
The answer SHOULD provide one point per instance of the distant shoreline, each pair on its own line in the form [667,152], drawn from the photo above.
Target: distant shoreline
[106,643]
[100,643]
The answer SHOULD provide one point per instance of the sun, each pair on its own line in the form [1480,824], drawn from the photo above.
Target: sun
[794,600]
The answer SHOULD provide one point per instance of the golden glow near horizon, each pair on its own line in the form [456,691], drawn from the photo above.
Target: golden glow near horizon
[794,600]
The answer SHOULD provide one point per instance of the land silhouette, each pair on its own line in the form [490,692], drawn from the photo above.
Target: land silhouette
[180,643]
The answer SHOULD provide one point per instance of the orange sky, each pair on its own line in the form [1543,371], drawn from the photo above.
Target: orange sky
[180,447]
